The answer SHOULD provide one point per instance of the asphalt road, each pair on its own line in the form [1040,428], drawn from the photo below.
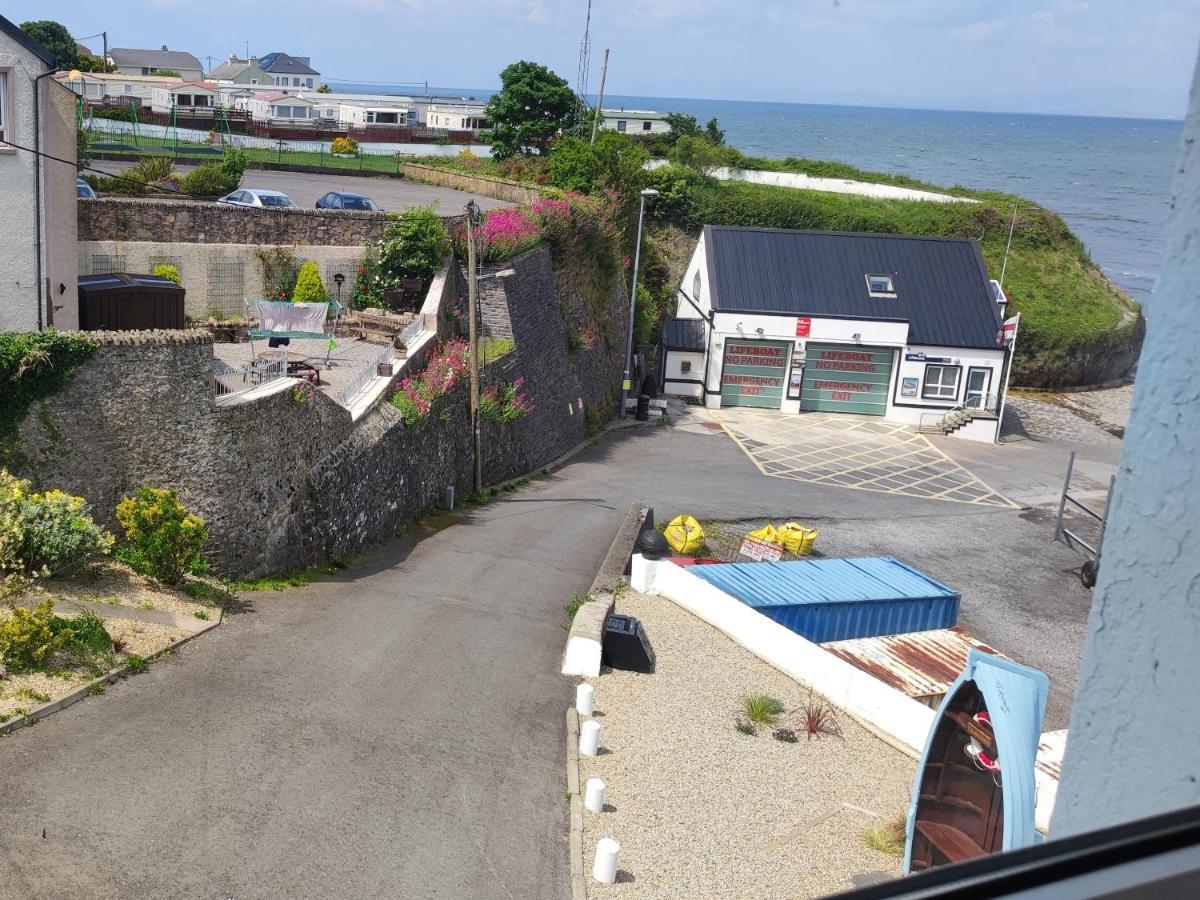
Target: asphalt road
[393,194]
[398,730]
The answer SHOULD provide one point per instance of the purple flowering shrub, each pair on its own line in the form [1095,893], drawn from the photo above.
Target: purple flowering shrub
[414,395]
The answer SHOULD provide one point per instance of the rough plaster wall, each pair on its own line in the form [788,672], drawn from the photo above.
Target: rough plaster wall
[18,262]
[1132,746]
[194,262]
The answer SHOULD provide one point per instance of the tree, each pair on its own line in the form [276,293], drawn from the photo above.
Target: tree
[532,107]
[166,73]
[701,154]
[85,62]
[55,38]
[681,124]
[324,89]
[713,132]
[414,244]
[309,288]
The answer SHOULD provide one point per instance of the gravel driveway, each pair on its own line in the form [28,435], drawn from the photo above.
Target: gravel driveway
[701,810]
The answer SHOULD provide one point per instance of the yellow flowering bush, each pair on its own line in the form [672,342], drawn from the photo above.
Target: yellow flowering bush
[46,533]
[162,539]
[29,639]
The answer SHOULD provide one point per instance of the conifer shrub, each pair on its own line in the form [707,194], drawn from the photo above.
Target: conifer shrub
[309,287]
[162,539]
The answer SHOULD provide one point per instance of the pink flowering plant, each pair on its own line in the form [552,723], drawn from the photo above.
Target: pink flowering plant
[415,394]
[504,404]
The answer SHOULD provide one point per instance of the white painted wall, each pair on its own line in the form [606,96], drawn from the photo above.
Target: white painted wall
[678,383]
[635,122]
[1132,746]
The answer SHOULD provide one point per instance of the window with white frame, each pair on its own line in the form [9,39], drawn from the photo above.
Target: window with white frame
[941,382]
[4,134]
[881,286]
[620,124]
[308,82]
[127,88]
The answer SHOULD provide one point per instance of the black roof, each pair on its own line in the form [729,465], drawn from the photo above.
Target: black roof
[26,41]
[683,334]
[942,287]
[279,63]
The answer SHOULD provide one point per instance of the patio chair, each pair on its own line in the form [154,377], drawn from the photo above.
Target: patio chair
[281,319]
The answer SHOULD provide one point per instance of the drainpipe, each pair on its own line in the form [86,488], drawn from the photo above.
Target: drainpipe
[37,194]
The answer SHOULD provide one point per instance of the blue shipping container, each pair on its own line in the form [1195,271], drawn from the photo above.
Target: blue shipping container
[838,599]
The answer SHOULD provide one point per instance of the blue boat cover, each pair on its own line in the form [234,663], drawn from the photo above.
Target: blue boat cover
[1015,697]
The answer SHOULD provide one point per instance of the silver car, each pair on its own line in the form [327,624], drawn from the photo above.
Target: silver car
[258,197]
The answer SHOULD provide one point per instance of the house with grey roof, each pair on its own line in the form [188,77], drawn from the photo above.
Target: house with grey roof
[149,62]
[908,328]
[286,71]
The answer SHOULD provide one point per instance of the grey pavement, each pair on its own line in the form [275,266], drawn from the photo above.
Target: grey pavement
[397,730]
[393,194]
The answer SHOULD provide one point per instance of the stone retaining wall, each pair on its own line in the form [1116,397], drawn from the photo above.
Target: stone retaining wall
[285,484]
[196,222]
[486,186]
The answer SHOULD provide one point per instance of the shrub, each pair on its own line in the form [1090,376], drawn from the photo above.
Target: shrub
[50,533]
[28,640]
[890,837]
[817,718]
[414,395]
[85,633]
[504,233]
[208,180]
[344,145]
[761,709]
[163,539]
[233,164]
[309,288]
[168,271]
[152,170]
[505,403]
[414,244]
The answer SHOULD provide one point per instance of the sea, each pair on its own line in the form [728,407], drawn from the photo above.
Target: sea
[1110,179]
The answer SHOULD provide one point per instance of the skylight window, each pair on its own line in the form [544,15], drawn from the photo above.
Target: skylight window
[881,286]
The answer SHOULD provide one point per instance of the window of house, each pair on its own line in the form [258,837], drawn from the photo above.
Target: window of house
[308,82]
[620,124]
[645,126]
[3,106]
[696,286]
[254,81]
[881,286]
[941,382]
[127,88]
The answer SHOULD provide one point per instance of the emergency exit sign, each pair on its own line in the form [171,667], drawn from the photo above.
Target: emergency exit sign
[803,327]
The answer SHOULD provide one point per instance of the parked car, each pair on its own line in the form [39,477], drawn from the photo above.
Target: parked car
[346,200]
[258,197]
[83,190]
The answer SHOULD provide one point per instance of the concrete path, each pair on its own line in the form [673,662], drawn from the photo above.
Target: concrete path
[398,729]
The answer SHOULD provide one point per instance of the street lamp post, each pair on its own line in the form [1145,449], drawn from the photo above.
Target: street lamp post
[637,258]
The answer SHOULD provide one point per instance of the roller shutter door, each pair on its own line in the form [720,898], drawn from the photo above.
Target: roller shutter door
[753,373]
[849,379]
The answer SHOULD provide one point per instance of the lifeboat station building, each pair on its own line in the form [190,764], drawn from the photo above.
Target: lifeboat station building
[905,327]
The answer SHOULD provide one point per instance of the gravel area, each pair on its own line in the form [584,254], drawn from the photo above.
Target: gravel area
[115,584]
[22,693]
[701,810]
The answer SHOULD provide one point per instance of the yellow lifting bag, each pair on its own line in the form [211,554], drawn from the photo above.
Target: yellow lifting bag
[685,535]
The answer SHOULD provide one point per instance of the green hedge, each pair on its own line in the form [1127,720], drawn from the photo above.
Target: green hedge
[33,365]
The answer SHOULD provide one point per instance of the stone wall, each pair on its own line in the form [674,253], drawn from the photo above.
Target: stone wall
[1108,358]
[486,186]
[284,484]
[196,222]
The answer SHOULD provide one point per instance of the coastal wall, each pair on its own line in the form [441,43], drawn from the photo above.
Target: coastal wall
[284,483]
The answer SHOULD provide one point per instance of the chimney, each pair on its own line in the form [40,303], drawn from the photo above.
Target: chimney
[164,46]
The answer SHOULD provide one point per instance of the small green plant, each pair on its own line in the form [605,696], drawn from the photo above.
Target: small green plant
[206,593]
[29,639]
[817,718]
[135,663]
[152,170]
[889,837]
[785,735]
[309,287]
[280,582]
[761,709]
[25,692]
[304,392]
[96,688]
[162,539]
[86,632]
[744,727]
[575,604]
[168,271]
[146,604]
[201,614]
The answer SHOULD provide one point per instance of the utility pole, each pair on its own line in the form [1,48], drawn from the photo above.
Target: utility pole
[104,34]
[473,337]
[600,98]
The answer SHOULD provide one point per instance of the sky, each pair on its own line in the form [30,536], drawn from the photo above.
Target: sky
[1087,57]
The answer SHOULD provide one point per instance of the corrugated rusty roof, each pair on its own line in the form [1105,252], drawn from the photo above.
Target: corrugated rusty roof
[920,663]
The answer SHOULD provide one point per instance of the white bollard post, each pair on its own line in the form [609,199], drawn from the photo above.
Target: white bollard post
[589,738]
[593,795]
[604,870]
[584,699]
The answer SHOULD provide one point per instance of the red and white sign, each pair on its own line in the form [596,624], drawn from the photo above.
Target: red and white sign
[761,550]
[803,326]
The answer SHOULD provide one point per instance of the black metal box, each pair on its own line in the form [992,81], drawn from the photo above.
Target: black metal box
[625,645]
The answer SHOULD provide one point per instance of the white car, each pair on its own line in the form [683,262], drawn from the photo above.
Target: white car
[258,197]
